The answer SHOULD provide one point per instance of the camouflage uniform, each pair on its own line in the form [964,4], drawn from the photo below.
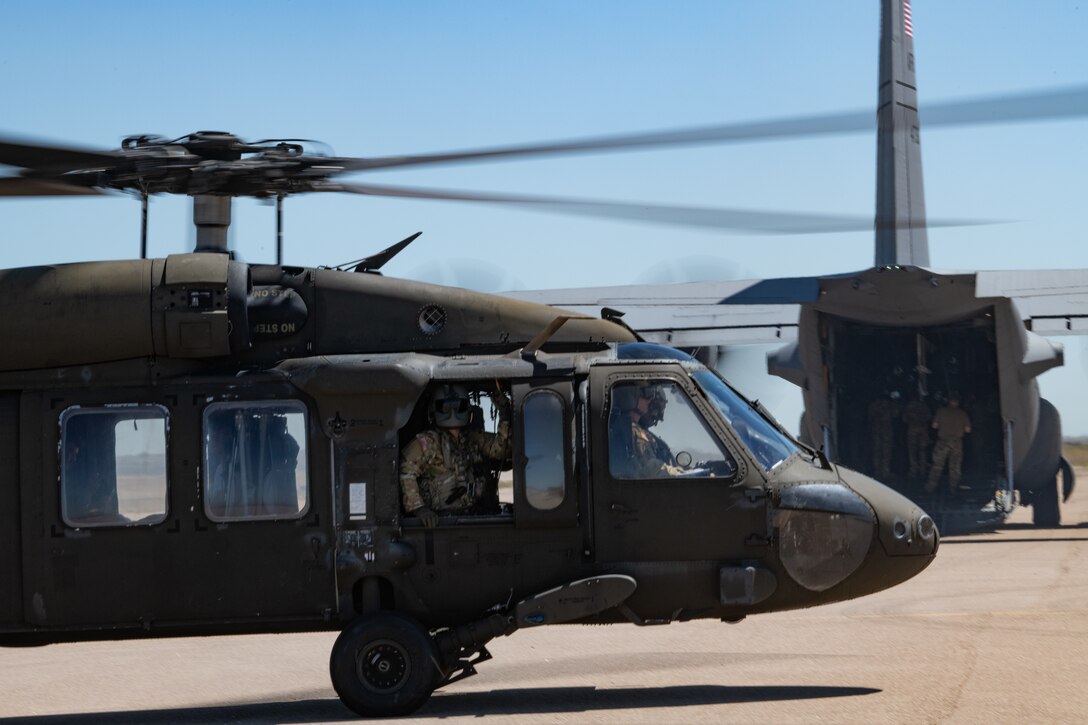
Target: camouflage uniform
[661,449]
[917,418]
[639,453]
[451,474]
[952,423]
[882,412]
[655,413]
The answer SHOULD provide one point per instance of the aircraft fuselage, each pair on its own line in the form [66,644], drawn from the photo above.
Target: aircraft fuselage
[906,334]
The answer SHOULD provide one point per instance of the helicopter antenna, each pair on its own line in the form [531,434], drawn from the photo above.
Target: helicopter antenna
[375,262]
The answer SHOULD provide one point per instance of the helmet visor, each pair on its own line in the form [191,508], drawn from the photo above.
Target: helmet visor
[448,406]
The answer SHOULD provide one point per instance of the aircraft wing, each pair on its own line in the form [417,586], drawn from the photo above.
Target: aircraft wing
[1051,301]
[695,314]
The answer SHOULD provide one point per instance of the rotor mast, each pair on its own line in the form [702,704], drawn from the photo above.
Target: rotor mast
[211,215]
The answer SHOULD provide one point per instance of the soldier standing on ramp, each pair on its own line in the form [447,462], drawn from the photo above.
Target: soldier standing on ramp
[917,418]
[952,424]
[883,411]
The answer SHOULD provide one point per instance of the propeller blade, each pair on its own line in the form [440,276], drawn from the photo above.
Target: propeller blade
[1069,102]
[20,186]
[740,220]
[50,157]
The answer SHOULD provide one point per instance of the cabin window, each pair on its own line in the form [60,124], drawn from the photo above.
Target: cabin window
[545,451]
[255,462]
[113,466]
[655,431]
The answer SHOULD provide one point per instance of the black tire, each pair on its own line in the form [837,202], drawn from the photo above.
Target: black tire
[1037,477]
[1069,478]
[383,665]
[1046,510]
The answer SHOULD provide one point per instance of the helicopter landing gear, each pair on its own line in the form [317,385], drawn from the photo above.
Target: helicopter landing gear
[383,665]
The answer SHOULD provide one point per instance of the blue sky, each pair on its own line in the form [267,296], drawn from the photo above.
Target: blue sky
[373,79]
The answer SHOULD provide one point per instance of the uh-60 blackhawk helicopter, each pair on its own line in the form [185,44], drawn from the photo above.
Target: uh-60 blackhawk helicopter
[198,446]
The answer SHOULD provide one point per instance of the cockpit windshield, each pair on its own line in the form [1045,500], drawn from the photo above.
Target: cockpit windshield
[768,444]
[650,351]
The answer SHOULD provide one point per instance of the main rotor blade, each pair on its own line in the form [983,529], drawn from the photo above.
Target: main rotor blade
[1054,104]
[739,220]
[20,186]
[50,157]
[1070,102]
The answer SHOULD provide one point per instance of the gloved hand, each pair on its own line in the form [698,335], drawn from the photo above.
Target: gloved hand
[427,517]
[501,403]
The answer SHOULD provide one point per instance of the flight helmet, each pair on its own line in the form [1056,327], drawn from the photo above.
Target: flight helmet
[450,406]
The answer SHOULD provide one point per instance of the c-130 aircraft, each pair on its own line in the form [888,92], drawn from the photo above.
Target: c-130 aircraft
[899,330]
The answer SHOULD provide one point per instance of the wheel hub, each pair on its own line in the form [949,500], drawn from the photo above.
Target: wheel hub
[383,666]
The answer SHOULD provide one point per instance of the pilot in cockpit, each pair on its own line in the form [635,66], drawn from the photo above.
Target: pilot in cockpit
[636,452]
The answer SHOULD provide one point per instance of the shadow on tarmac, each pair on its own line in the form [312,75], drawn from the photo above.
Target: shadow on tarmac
[1019,540]
[1064,532]
[583,699]
[535,700]
[1022,527]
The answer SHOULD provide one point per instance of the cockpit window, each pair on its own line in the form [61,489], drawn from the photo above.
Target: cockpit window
[768,445]
[650,351]
[655,431]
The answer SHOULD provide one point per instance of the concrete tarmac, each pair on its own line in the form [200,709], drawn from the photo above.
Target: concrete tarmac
[996,630]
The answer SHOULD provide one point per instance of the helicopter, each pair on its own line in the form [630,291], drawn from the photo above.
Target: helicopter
[193,445]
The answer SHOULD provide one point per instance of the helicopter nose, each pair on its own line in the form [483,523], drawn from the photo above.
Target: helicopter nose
[863,535]
[904,528]
[907,536]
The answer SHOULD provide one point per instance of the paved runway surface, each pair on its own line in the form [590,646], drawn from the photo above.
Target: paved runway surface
[996,630]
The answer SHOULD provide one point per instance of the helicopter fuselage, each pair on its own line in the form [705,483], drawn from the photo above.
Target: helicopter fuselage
[192,447]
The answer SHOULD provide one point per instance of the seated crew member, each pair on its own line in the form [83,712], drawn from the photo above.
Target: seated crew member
[90,484]
[277,494]
[441,469]
[636,452]
[655,413]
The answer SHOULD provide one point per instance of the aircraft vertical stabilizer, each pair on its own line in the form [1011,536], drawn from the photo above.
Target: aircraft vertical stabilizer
[900,203]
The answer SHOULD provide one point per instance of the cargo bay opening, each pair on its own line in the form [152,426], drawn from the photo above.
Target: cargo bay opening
[866,363]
